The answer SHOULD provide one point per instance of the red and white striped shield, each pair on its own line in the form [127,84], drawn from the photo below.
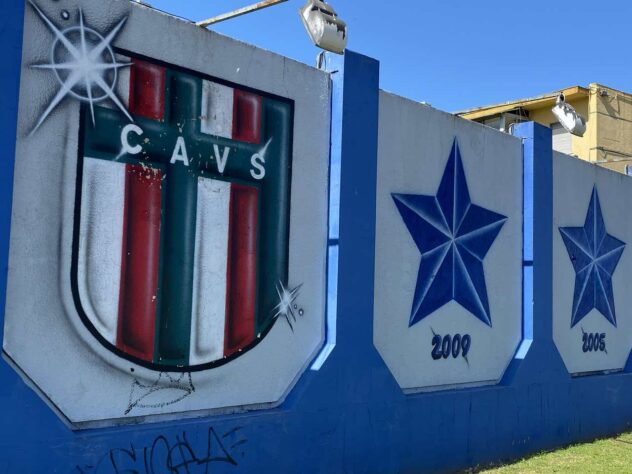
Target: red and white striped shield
[182,219]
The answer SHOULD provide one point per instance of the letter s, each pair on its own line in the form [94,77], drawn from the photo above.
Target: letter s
[257,161]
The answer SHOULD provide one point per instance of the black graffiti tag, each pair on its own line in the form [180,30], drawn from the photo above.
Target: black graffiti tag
[171,455]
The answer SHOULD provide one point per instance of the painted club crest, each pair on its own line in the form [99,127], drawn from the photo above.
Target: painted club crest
[182,216]
[165,217]
[180,253]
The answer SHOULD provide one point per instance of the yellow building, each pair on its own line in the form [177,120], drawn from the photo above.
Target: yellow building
[608,114]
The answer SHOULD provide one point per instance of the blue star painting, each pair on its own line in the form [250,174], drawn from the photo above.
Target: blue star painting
[453,236]
[595,255]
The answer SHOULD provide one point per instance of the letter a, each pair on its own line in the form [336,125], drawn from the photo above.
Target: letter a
[180,153]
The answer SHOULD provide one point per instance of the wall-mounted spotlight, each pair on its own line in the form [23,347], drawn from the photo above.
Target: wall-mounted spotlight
[326,30]
[568,117]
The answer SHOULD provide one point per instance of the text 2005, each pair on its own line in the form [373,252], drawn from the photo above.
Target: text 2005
[450,346]
[594,342]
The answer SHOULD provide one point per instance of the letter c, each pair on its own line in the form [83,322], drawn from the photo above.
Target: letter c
[127,148]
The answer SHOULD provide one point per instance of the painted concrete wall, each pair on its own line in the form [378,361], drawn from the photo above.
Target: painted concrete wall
[446,314]
[351,415]
[591,265]
[171,219]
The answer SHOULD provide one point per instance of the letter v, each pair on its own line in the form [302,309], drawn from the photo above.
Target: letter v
[221,160]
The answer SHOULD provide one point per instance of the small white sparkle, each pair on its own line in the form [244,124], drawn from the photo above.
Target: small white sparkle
[286,304]
[264,150]
[89,58]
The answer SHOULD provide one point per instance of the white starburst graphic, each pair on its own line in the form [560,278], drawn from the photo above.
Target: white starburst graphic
[287,304]
[84,63]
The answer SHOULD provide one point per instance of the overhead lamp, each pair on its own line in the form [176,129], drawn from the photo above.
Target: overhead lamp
[323,26]
[568,117]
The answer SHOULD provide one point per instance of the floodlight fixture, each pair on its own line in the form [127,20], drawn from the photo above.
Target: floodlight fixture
[323,26]
[568,117]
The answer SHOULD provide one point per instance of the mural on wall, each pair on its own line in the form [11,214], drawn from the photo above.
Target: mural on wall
[176,209]
[453,236]
[595,255]
[182,231]
[448,280]
[591,327]
[201,217]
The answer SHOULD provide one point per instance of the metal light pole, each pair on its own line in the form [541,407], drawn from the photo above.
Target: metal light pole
[239,12]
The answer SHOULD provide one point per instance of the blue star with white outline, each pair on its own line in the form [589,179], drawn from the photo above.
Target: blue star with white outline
[595,255]
[453,236]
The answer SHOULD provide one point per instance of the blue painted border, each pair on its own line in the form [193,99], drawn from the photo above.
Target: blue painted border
[336,70]
[538,348]
[11,26]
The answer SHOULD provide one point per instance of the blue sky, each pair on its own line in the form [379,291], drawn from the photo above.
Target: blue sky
[455,54]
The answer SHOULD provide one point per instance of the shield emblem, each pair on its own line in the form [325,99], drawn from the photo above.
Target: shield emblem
[182,218]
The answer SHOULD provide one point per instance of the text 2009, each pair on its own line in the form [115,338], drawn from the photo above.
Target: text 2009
[450,346]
